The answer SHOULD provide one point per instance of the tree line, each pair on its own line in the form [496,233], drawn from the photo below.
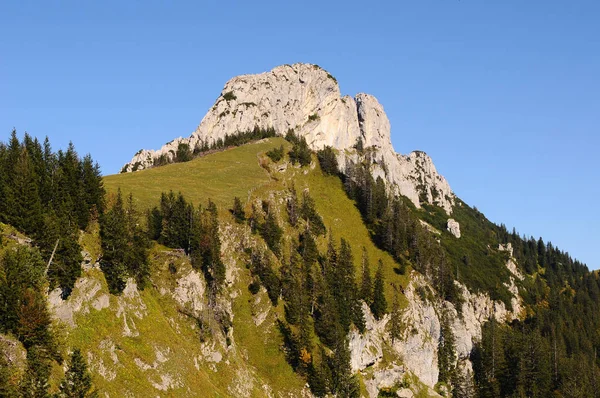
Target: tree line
[50,196]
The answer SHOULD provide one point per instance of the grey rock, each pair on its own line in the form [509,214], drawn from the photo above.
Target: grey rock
[307,99]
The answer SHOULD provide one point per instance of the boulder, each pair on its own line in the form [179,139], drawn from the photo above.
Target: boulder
[453,227]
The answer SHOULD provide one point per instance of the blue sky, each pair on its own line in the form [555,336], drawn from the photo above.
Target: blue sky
[504,95]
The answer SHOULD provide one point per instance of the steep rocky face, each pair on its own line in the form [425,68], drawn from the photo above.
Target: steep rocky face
[418,345]
[307,99]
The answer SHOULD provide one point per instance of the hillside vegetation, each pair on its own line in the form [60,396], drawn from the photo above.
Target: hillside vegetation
[260,269]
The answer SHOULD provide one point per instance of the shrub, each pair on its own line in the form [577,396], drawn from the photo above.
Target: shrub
[184,153]
[229,96]
[276,154]
[313,117]
[254,287]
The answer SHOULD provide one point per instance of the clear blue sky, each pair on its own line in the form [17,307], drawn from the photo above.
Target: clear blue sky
[504,95]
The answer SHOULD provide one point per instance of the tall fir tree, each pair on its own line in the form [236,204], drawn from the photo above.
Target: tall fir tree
[113,234]
[366,284]
[379,305]
[77,382]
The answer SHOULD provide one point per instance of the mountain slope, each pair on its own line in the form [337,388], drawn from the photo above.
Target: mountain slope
[306,99]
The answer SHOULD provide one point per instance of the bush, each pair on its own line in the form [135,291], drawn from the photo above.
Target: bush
[313,117]
[228,96]
[276,154]
[254,287]
[184,153]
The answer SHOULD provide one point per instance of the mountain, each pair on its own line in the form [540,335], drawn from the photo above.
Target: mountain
[284,249]
[306,99]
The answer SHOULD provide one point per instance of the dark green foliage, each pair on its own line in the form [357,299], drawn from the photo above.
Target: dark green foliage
[446,353]
[20,270]
[34,383]
[124,246]
[308,212]
[292,207]
[238,210]
[271,232]
[184,153]
[276,154]
[328,161]
[50,196]
[261,267]
[290,344]
[343,284]
[379,305]
[474,256]
[154,221]
[175,217]
[291,288]
[114,242]
[300,152]
[205,247]
[344,384]
[359,146]
[366,284]
[313,117]
[66,263]
[395,228]
[254,287]
[23,307]
[8,389]
[78,381]
[229,96]
[290,136]
[395,318]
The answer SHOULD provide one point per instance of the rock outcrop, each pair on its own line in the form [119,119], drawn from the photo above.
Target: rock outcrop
[307,99]
[453,227]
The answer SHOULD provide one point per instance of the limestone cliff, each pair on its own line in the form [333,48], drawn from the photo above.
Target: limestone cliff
[307,99]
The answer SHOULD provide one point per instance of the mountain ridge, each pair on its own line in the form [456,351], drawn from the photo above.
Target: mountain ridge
[306,99]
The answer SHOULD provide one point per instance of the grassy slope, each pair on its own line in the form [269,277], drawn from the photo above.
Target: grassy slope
[236,172]
[221,177]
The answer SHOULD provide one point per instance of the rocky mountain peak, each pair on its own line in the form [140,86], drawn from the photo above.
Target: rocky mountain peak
[307,99]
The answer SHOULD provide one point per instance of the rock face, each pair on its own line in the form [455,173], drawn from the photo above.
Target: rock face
[453,227]
[307,99]
[418,344]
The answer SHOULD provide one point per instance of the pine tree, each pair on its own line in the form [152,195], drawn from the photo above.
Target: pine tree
[379,306]
[238,210]
[78,381]
[291,283]
[446,352]
[34,383]
[136,259]
[93,186]
[113,234]
[27,214]
[309,213]
[272,232]
[292,207]
[395,318]
[366,285]
[344,384]
[326,317]
[328,161]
